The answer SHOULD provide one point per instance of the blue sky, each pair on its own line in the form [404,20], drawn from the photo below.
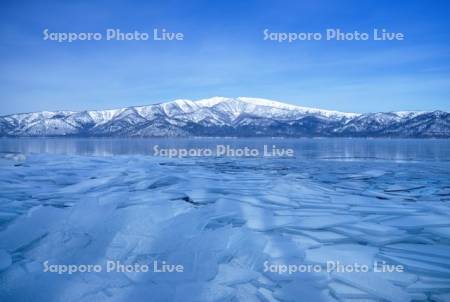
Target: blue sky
[224,54]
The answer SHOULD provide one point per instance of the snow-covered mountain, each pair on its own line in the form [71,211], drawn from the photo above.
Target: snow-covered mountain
[219,116]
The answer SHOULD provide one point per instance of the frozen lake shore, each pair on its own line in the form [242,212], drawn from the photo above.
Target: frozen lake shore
[234,225]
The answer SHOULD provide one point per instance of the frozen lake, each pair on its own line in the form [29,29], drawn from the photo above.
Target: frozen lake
[345,220]
[332,148]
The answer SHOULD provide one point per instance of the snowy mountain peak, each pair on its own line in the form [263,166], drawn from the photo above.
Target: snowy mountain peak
[222,116]
[211,102]
[248,105]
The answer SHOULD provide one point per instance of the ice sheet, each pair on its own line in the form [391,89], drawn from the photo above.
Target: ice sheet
[222,220]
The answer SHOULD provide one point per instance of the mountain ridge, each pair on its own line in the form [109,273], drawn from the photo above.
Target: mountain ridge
[220,116]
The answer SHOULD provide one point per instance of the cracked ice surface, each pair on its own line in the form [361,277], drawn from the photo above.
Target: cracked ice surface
[222,219]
